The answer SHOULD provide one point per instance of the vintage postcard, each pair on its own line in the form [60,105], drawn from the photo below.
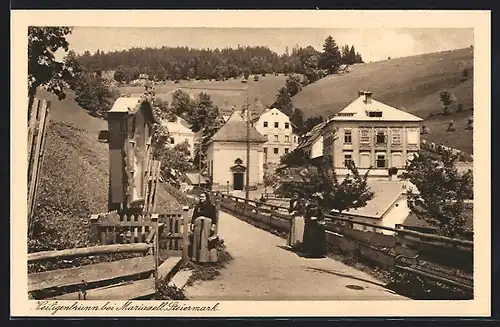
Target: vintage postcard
[250,163]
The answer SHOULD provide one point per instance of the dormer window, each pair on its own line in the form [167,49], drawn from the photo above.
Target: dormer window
[374,113]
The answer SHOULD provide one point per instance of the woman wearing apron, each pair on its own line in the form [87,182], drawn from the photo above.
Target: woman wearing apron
[314,244]
[296,210]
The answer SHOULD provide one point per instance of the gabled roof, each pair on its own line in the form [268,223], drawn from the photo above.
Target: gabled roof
[386,193]
[234,130]
[132,105]
[312,135]
[359,108]
[178,126]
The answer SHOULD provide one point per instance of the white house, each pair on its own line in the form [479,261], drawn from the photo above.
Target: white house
[180,132]
[276,127]
[388,208]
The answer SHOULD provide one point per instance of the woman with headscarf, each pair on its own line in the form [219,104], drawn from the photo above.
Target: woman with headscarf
[205,208]
[314,243]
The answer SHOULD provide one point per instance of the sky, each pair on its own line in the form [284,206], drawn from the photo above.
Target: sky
[372,43]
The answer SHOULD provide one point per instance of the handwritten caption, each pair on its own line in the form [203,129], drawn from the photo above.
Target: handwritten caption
[54,307]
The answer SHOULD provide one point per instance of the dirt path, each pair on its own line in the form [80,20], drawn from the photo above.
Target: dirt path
[263,269]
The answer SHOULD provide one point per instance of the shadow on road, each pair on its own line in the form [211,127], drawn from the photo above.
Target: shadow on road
[346,276]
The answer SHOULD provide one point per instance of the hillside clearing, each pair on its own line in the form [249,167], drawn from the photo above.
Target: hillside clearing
[224,94]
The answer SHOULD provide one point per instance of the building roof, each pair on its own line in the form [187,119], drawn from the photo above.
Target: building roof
[312,135]
[386,193]
[132,105]
[193,178]
[178,126]
[359,108]
[234,130]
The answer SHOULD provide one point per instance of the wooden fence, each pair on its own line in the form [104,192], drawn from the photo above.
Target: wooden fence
[38,119]
[171,227]
[151,236]
[429,256]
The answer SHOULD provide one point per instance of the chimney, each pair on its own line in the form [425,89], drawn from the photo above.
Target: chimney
[368,97]
[360,93]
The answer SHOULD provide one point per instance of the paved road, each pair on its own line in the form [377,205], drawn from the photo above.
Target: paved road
[263,269]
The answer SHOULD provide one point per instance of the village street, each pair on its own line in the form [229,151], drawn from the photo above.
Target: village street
[263,269]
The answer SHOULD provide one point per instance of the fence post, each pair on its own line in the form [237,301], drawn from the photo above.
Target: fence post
[94,228]
[185,235]
[217,210]
[154,222]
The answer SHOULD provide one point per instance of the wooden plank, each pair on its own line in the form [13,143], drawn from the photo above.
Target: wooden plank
[99,272]
[180,279]
[33,118]
[133,290]
[134,224]
[185,232]
[169,267]
[36,160]
[93,250]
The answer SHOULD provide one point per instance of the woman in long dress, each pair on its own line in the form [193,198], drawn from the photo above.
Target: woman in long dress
[296,210]
[314,243]
[205,208]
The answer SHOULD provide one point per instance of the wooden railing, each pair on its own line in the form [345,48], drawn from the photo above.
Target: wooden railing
[38,119]
[432,257]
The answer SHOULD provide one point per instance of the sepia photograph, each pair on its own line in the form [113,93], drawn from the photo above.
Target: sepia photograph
[174,169]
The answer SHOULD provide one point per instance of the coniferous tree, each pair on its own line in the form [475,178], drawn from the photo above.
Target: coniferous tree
[284,102]
[330,58]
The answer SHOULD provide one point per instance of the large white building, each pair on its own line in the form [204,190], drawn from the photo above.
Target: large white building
[371,134]
[276,127]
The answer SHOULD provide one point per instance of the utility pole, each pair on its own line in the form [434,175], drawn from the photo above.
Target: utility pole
[247,186]
[199,162]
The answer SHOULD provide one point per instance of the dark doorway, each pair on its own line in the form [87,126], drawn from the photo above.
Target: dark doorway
[238,181]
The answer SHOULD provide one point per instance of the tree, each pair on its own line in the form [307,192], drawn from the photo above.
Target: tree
[345,54]
[330,58]
[246,73]
[295,158]
[72,62]
[43,68]
[293,85]
[353,192]
[311,71]
[284,102]
[447,99]
[359,59]
[203,113]
[94,94]
[181,103]
[470,124]
[352,56]
[441,191]
[311,122]
[297,119]
[119,76]
[451,126]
